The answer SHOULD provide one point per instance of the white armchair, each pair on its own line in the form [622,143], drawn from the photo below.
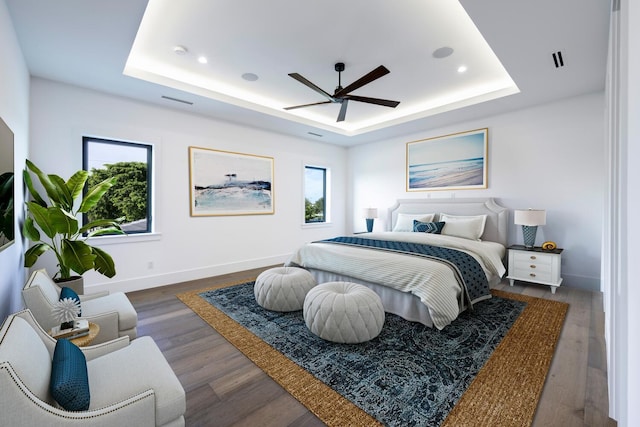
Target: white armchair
[114,313]
[130,383]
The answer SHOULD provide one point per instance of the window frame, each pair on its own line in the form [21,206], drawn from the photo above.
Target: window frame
[86,140]
[326,194]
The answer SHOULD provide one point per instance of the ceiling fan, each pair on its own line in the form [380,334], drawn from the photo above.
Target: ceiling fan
[341,95]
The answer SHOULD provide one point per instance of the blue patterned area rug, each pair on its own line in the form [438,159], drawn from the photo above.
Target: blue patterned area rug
[410,375]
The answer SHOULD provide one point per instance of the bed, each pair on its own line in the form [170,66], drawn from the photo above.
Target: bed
[420,287]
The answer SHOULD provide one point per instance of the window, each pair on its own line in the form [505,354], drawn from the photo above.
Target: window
[130,196]
[316,200]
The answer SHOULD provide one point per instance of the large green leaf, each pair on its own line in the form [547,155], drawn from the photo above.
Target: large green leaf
[42,217]
[106,232]
[95,194]
[63,222]
[77,256]
[64,200]
[104,263]
[30,231]
[32,191]
[51,189]
[75,184]
[32,254]
[102,226]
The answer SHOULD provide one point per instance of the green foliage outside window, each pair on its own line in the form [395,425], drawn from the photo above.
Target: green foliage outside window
[128,196]
[314,212]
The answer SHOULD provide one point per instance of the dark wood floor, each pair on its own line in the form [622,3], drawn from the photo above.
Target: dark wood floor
[224,388]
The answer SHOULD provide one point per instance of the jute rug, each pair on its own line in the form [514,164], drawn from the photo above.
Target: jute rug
[505,391]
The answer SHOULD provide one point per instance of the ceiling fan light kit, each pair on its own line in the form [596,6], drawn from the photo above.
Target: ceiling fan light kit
[342,95]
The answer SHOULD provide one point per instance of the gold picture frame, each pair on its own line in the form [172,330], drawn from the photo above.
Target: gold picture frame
[450,162]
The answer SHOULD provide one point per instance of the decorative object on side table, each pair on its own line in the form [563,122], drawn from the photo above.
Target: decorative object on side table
[66,310]
[80,329]
[549,245]
[87,337]
[535,265]
[530,219]
[370,214]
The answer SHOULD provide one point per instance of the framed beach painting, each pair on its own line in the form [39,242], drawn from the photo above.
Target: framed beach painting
[228,183]
[450,162]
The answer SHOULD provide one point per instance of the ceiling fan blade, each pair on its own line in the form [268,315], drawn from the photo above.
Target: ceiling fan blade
[343,110]
[308,105]
[377,101]
[307,83]
[368,78]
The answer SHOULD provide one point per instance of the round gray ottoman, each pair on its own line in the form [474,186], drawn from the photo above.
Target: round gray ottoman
[343,312]
[283,288]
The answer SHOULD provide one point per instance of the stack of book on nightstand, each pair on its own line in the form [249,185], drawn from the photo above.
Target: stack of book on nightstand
[80,329]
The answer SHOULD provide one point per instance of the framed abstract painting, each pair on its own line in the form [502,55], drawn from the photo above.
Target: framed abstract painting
[450,162]
[229,183]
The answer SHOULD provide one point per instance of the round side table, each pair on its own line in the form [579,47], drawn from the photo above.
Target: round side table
[94,329]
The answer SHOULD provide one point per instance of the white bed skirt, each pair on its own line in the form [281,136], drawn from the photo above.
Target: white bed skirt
[405,305]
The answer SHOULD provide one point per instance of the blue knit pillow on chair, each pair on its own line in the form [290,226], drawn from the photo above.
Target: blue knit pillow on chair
[428,227]
[69,383]
[70,293]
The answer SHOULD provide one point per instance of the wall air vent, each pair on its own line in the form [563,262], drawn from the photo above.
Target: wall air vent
[557,59]
[177,100]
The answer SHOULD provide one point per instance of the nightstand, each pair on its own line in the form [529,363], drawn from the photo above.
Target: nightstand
[535,265]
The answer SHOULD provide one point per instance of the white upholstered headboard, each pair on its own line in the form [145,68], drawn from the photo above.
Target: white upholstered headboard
[495,229]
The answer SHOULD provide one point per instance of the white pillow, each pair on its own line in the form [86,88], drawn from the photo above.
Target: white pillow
[405,221]
[468,227]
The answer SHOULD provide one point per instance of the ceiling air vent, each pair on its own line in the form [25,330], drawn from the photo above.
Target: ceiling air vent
[177,100]
[557,59]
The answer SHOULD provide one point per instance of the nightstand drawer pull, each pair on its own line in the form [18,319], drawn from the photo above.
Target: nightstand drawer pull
[532,274]
[532,266]
[533,257]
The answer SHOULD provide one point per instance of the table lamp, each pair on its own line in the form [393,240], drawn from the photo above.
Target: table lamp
[370,214]
[530,219]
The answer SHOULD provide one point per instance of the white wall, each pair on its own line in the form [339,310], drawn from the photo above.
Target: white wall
[548,157]
[631,197]
[186,247]
[14,110]
[622,233]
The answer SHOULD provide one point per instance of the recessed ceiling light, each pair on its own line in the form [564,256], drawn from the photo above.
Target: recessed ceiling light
[462,69]
[250,77]
[202,59]
[180,50]
[442,52]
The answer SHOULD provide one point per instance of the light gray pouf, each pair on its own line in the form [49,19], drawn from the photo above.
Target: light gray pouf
[343,312]
[283,288]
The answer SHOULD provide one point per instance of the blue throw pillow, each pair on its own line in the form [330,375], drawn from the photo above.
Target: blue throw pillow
[69,383]
[70,293]
[428,227]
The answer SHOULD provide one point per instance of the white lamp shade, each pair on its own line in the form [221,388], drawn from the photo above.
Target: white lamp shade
[530,217]
[371,213]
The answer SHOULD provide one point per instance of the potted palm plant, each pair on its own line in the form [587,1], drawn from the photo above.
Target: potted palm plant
[52,224]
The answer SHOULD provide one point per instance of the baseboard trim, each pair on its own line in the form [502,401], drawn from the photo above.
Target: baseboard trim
[147,282]
[584,283]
